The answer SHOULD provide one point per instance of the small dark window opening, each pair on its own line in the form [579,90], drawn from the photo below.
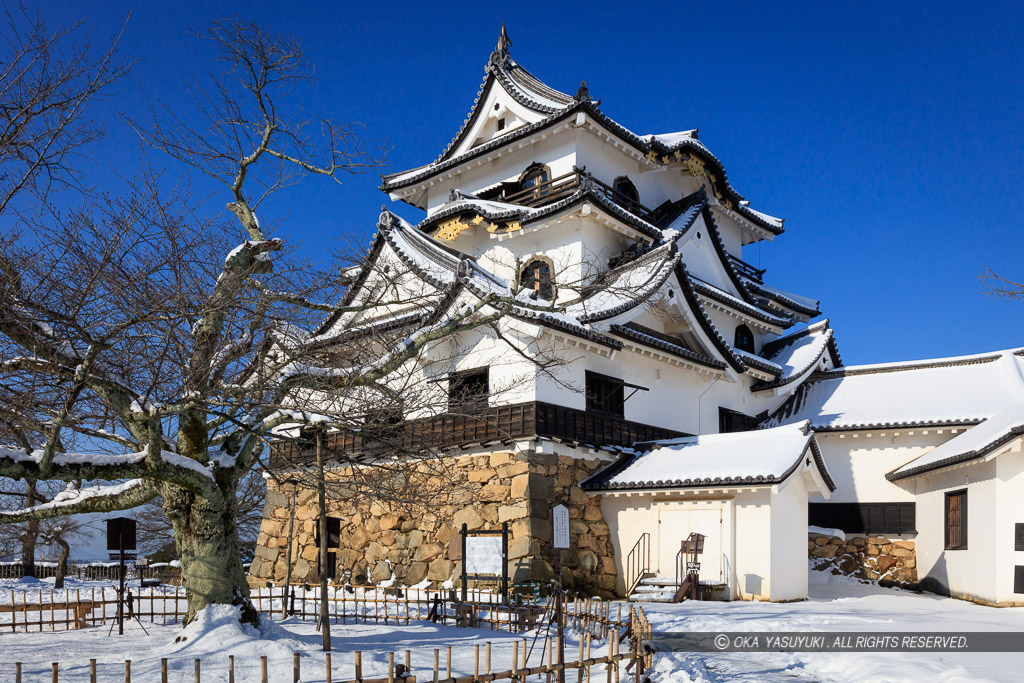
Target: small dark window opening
[744,339]
[501,123]
[606,394]
[956,520]
[333,533]
[732,421]
[536,177]
[625,192]
[537,276]
[468,391]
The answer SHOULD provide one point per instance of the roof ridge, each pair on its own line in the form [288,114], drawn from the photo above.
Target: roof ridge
[907,366]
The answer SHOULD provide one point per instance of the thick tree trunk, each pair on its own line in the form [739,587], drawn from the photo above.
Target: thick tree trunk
[206,538]
[31,535]
[62,563]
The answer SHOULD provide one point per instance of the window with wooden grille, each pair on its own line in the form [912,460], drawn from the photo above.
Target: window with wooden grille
[733,421]
[864,518]
[536,177]
[606,394]
[956,520]
[468,391]
[536,276]
[625,193]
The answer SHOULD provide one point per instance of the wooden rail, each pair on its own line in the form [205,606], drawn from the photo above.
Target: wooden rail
[495,424]
[599,639]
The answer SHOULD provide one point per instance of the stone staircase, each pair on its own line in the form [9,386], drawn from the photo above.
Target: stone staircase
[654,589]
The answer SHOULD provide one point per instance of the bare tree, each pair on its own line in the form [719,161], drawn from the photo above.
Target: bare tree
[1001,287]
[48,80]
[146,333]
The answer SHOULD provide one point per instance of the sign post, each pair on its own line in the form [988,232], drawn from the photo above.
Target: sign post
[559,542]
[485,557]
[120,537]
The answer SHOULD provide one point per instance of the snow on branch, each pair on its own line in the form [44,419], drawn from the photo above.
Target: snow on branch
[101,498]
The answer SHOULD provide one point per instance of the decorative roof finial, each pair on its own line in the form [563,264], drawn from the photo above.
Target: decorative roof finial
[582,94]
[503,41]
[499,57]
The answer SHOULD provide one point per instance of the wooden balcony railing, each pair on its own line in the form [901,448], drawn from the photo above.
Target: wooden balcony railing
[495,424]
[747,270]
[563,186]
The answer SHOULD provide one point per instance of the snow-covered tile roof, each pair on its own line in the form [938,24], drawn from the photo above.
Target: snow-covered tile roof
[737,304]
[797,354]
[758,361]
[945,391]
[627,286]
[648,337]
[759,457]
[806,303]
[976,442]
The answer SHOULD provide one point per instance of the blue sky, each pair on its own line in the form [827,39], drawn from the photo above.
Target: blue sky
[888,135]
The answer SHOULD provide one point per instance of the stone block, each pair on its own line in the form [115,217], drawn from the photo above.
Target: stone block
[885,563]
[427,552]
[310,552]
[409,525]
[347,558]
[908,545]
[495,492]
[358,539]
[859,542]
[512,469]
[478,476]
[302,570]
[467,516]
[522,547]
[440,570]
[381,572]
[499,459]
[507,513]
[821,540]
[578,496]
[872,550]
[375,552]
[414,539]
[389,521]
[592,513]
[824,551]
[587,561]
[902,552]
[910,563]
[417,572]
[490,513]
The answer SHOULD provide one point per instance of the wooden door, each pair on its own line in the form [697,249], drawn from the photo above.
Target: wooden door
[674,525]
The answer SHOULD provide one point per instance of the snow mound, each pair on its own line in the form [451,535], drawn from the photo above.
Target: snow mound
[217,628]
[838,533]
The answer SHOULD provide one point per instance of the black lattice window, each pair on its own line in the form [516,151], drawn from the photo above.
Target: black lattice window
[468,391]
[606,394]
[956,520]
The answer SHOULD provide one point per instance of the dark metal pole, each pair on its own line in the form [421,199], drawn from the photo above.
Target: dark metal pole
[559,619]
[465,596]
[321,485]
[120,590]
[504,563]
[285,611]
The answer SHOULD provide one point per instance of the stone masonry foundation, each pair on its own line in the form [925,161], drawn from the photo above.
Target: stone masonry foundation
[889,562]
[421,540]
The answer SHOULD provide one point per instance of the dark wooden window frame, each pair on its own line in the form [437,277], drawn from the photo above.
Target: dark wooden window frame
[734,421]
[624,188]
[744,339]
[865,518]
[601,391]
[544,287]
[955,525]
[468,402]
[542,172]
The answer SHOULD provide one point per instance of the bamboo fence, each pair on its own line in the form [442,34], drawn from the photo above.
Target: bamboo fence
[599,632]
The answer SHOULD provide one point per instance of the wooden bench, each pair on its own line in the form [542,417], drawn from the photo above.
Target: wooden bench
[80,609]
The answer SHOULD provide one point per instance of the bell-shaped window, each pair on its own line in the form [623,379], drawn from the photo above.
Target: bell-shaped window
[537,178]
[744,339]
[626,194]
[536,277]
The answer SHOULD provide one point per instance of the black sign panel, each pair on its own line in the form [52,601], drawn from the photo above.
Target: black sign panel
[1018,579]
[121,533]
[1018,536]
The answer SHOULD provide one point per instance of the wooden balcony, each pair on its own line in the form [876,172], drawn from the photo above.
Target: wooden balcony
[493,425]
[563,186]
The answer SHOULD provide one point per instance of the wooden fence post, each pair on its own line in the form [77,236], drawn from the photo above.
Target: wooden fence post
[328,667]
[17,666]
[163,670]
[198,675]
[231,669]
[295,668]
[53,666]
[127,671]
[391,667]
[92,671]
[263,669]
[437,661]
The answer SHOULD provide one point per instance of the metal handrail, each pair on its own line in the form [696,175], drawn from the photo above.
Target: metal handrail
[744,268]
[638,562]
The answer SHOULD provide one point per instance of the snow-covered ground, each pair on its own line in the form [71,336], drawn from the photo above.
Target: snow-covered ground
[836,604]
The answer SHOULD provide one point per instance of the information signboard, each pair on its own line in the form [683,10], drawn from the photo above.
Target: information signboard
[483,555]
[560,526]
